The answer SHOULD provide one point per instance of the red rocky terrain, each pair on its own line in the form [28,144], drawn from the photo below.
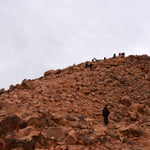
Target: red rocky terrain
[62,110]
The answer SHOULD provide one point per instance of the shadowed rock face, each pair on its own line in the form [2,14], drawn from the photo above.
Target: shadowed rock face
[64,109]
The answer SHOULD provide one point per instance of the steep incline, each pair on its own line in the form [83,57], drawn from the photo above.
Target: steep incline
[63,109]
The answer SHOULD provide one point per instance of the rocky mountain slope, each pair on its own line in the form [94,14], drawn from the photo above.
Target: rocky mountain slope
[63,109]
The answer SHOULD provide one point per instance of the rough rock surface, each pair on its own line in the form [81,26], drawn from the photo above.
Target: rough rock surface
[63,109]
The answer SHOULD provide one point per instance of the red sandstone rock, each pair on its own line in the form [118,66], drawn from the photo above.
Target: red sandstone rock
[47,73]
[100,130]
[2,91]
[133,116]
[71,138]
[54,133]
[126,100]
[131,131]
[136,107]
[76,147]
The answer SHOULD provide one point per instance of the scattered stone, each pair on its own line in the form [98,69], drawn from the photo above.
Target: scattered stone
[62,109]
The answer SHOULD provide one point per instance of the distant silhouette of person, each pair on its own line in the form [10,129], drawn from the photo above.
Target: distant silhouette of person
[122,54]
[94,60]
[88,65]
[106,114]
[114,56]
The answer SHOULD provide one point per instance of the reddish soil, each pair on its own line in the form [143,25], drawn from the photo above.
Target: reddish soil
[63,109]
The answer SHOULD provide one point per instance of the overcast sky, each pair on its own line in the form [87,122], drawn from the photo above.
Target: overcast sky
[39,35]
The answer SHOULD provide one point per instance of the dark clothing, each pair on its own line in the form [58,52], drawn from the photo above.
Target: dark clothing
[106,114]
[106,120]
[106,111]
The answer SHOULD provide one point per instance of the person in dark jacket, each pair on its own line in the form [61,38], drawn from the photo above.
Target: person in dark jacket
[106,114]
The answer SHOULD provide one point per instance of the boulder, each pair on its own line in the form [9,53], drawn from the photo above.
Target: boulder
[2,91]
[48,73]
[100,130]
[131,131]
[146,133]
[9,123]
[54,133]
[25,131]
[136,107]
[71,138]
[9,143]
[76,147]
[133,116]
[126,100]
[146,144]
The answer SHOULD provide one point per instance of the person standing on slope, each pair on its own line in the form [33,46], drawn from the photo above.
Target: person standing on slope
[106,114]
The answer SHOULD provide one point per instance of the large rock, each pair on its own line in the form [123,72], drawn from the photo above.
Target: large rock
[25,131]
[27,84]
[54,133]
[60,119]
[71,138]
[26,139]
[9,123]
[133,115]
[136,107]
[146,144]
[100,130]
[146,133]
[131,131]
[76,147]
[126,100]
[2,91]
[47,73]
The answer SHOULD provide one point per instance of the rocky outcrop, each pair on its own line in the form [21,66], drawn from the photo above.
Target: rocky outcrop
[63,109]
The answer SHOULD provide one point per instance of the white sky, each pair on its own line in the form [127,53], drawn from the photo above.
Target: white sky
[38,35]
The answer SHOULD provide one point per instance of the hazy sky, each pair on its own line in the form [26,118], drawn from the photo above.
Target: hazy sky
[38,35]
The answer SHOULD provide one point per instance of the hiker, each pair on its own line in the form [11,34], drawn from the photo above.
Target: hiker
[114,56]
[88,65]
[106,114]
